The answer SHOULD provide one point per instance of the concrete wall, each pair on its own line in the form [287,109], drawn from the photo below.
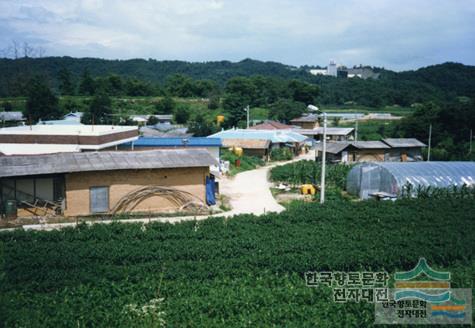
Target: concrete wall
[121,182]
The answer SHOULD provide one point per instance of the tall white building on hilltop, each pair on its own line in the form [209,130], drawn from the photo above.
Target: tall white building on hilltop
[332,69]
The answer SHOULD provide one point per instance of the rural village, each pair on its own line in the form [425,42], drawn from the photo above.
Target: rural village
[236,164]
[63,168]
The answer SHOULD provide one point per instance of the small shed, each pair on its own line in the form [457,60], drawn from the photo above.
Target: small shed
[309,121]
[251,147]
[390,177]
[356,151]
[333,133]
[404,149]
[86,183]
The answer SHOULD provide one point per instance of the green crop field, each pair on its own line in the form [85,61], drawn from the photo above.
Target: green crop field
[237,272]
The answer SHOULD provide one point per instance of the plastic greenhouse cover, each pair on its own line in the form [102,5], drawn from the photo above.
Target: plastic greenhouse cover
[367,178]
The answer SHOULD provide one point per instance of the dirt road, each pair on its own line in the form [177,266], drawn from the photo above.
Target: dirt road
[249,191]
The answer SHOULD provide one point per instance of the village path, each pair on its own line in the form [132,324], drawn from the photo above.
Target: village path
[248,193]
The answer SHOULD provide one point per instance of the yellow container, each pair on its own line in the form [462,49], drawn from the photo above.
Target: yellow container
[307,189]
[238,151]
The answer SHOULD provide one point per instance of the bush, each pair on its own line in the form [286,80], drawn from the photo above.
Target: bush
[281,154]
[302,172]
[247,162]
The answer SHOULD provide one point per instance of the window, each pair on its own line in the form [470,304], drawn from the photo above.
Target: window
[99,199]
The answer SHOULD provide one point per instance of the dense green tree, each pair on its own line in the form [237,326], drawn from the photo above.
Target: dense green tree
[66,86]
[200,127]
[204,88]
[152,120]
[100,109]
[7,106]
[303,92]
[284,110]
[182,114]
[165,106]
[451,124]
[135,88]
[87,85]
[234,105]
[180,86]
[214,102]
[41,103]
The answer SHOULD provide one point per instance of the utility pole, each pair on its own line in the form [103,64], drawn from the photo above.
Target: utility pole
[430,139]
[322,181]
[247,112]
[356,127]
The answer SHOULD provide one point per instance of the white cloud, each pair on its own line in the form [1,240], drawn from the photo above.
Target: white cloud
[395,34]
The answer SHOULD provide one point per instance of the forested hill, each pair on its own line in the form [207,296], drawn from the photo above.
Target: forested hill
[451,77]
[434,83]
[150,70]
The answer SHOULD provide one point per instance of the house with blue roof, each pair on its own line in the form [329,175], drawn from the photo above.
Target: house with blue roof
[212,145]
[274,138]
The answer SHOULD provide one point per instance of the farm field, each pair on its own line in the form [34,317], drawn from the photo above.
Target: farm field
[242,271]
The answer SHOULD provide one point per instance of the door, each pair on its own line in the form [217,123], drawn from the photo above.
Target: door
[99,199]
[344,156]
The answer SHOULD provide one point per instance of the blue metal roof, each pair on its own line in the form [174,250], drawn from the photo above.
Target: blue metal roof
[177,142]
[274,136]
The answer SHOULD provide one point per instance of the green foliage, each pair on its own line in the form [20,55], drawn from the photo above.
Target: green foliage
[182,114]
[7,106]
[138,88]
[303,92]
[451,125]
[240,271]
[87,85]
[247,162]
[302,172]
[152,120]
[99,110]
[41,102]
[66,85]
[214,102]
[201,127]
[165,106]
[281,154]
[285,110]
[462,192]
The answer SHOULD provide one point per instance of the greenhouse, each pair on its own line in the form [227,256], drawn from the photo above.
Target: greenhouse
[390,178]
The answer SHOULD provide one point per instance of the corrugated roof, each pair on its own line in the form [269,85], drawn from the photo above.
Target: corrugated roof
[35,149]
[247,143]
[61,122]
[403,142]
[271,125]
[11,116]
[306,118]
[103,161]
[338,146]
[177,142]
[330,131]
[274,136]
[333,147]
[369,145]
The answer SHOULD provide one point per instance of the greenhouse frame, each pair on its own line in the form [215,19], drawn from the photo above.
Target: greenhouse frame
[390,178]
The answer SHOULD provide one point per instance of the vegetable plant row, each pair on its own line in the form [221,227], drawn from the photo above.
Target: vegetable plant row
[241,271]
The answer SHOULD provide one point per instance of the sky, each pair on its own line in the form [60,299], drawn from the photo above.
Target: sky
[395,34]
